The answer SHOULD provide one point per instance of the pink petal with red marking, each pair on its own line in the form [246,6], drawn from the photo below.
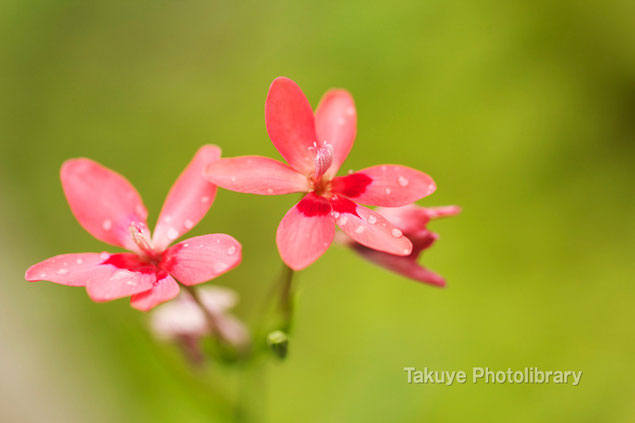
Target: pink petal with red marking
[305,232]
[385,185]
[103,201]
[404,265]
[199,259]
[369,228]
[336,124]
[188,200]
[66,269]
[256,175]
[165,288]
[290,124]
[120,275]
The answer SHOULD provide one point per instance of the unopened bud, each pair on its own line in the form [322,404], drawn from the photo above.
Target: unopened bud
[278,342]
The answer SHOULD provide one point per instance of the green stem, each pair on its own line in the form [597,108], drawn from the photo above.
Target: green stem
[286,297]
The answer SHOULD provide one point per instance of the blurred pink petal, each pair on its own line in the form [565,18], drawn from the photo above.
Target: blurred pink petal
[385,185]
[290,123]
[336,123]
[164,289]
[188,201]
[103,201]
[183,318]
[305,232]
[199,259]
[369,228]
[256,175]
[402,265]
[66,269]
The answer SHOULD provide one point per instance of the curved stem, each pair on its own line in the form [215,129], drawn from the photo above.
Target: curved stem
[286,296]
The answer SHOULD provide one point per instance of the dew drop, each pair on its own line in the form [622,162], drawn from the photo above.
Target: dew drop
[396,233]
[186,245]
[42,275]
[231,250]
[107,225]
[342,221]
[168,219]
[233,179]
[406,251]
[383,168]
[402,181]
[388,190]
[205,199]
[220,267]
[341,121]
[372,219]
[103,256]
[360,229]
[269,191]
[65,264]
[351,171]
[336,214]
[79,261]
[188,224]
[131,282]
[350,111]
[62,271]
[173,234]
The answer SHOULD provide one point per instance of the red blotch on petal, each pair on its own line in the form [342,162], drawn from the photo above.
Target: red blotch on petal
[313,205]
[351,185]
[343,205]
[130,262]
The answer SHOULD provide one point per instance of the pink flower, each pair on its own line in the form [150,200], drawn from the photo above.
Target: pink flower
[412,220]
[314,147]
[111,210]
[182,319]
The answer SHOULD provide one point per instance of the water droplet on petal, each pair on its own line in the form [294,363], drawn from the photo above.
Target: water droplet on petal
[383,168]
[231,250]
[79,261]
[372,219]
[186,245]
[360,229]
[205,199]
[107,225]
[188,224]
[104,256]
[269,191]
[341,121]
[233,179]
[42,275]
[342,221]
[168,219]
[220,267]
[62,271]
[350,110]
[406,251]
[132,282]
[173,234]
[396,233]
[388,190]
[351,171]
[336,214]
[402,181]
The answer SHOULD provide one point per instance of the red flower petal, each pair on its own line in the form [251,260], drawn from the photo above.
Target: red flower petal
[188,200]
[290,124]
[103,201]
[305,232]
[385,185]
[404,265]
[199,259]
[256,175]
[66,269]
[165,288]
[336,124]
[370,228]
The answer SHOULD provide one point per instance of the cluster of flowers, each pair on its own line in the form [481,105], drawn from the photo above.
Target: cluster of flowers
[314,146]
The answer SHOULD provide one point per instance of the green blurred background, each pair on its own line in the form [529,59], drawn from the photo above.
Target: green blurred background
[521,111]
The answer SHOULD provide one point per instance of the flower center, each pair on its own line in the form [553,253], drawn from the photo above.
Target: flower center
[323,159]
[141,237]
